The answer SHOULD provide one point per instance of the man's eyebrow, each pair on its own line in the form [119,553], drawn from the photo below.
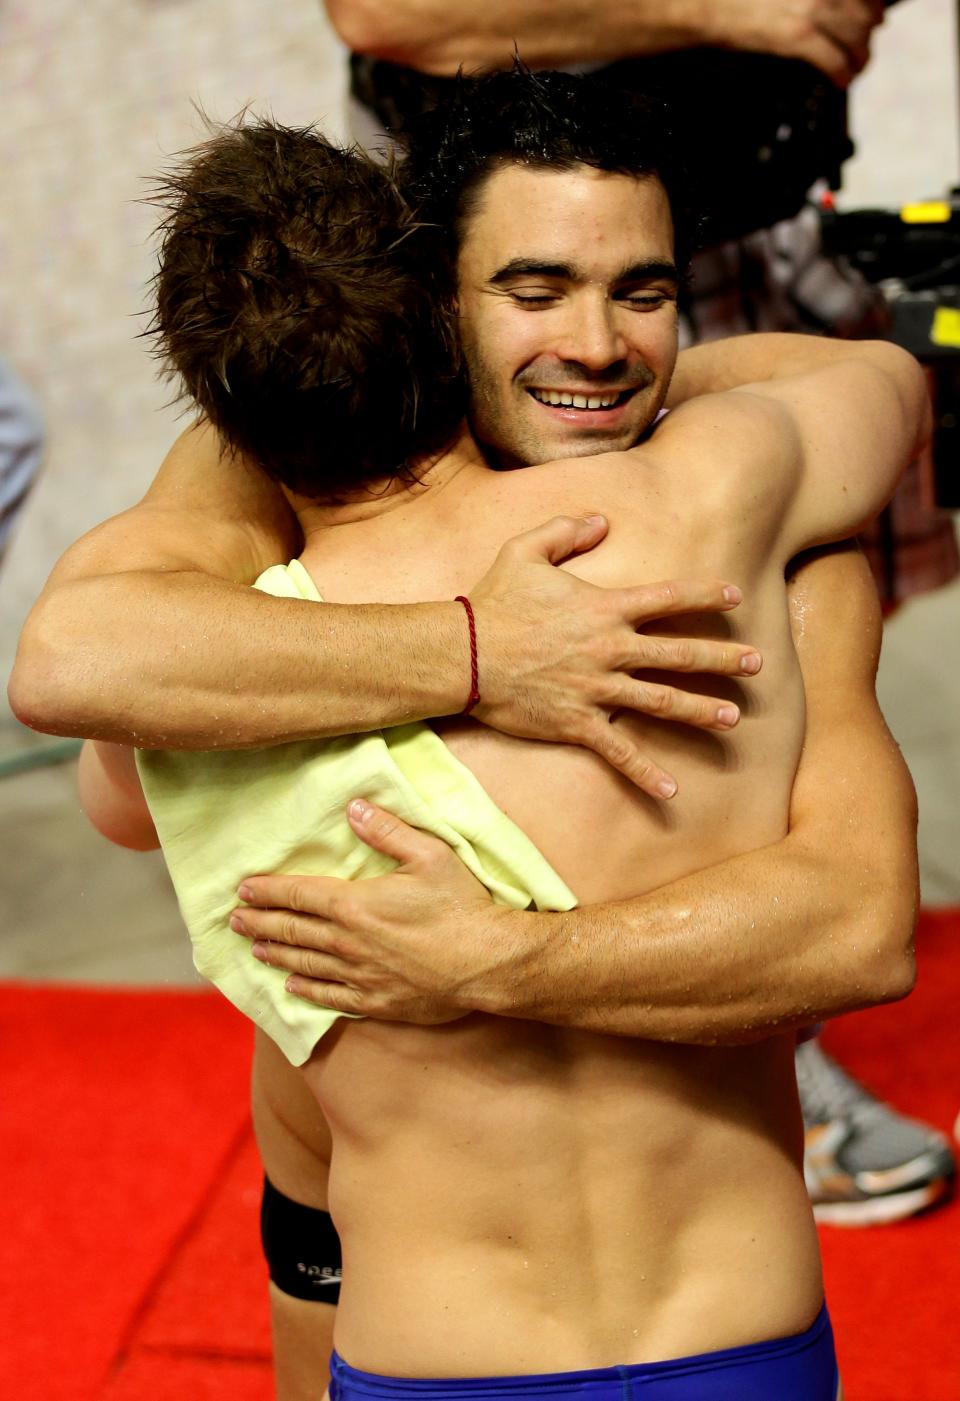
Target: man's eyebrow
[531,267]
[649,270]
[652,270]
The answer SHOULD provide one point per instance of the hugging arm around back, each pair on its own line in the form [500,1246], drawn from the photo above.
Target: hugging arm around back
[147,633]
[817,924]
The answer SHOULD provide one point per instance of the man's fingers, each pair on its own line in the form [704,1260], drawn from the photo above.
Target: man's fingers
[281,926]
[683,707]
[335,997]
[624,756]
[647,602]
[310,894]
[694,654]
[557,539]
[829,56]
[305,962]
[389,834]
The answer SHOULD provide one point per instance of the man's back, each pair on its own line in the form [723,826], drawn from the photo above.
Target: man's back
[685,503]
[591,1190]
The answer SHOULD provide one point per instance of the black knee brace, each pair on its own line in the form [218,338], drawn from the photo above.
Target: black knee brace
[301,1246]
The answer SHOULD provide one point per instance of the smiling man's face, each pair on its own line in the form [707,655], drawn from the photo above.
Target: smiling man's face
[567,292]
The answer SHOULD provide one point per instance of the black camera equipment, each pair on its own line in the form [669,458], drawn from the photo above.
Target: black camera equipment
[913,254]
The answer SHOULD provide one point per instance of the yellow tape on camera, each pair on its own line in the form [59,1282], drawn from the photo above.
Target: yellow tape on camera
[946,326]
[927,211]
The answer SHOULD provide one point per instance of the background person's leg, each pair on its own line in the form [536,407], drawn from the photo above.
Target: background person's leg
[21,448]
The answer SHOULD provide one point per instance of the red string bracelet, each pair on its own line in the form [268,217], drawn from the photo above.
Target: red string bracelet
[474,670]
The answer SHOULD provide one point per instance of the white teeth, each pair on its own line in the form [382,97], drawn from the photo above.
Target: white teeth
[558,399]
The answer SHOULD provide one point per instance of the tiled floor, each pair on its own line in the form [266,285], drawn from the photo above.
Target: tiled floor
[94,98]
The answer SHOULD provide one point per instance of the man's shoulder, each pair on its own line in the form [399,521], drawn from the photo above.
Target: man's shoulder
[741,414]
[729,443]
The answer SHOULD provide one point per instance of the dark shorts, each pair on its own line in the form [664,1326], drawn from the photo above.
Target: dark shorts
[799,1368]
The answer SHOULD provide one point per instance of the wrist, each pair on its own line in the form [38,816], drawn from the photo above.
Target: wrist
[514,978]
[431,665]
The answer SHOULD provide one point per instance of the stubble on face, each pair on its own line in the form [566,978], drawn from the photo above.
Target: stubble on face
[567,291]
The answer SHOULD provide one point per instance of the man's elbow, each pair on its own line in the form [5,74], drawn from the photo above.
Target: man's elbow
[883,965]
[27,690]
[894,977]
[40,690]
[910,382]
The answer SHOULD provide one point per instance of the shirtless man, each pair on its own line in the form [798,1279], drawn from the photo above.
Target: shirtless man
[592,254]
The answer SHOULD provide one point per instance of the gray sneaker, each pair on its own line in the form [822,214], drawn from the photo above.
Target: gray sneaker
[863,1162]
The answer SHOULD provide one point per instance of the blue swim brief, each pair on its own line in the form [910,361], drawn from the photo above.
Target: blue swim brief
[800,1368]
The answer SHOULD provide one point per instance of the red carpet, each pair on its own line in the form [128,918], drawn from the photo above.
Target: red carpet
[129,1267]
[125,1119]
[894,1290]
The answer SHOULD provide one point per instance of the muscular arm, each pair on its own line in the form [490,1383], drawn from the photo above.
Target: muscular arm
[850,415]
[817,924]
[148,634]
[437,36]
[814,925]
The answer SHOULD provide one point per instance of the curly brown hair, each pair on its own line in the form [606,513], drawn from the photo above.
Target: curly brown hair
[305,308]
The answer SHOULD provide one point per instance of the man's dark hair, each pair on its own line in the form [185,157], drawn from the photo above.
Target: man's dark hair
[547,120]
[305,308]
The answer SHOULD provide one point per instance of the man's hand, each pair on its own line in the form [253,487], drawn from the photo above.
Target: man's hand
[833,35]
[437,36]
[409,946]
[556,653]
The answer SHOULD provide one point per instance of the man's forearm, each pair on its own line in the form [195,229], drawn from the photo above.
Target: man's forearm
[210,687]
[814,925]
[758,358]
[811,926]
[730,955]
[438,37]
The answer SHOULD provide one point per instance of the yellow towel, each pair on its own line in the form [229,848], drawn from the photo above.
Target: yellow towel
[224,815]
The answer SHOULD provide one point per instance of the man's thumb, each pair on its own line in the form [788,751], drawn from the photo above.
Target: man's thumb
[386,833]
[559,538]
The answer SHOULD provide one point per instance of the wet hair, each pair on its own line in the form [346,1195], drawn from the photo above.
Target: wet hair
[544,120]
[305,308]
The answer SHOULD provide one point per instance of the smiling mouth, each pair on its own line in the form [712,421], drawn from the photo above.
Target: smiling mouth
[564,399]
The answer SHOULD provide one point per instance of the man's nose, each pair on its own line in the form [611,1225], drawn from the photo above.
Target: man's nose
[592,336]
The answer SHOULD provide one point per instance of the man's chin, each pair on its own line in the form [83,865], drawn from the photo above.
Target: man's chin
[587,445]
[563,439]
[574,442]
